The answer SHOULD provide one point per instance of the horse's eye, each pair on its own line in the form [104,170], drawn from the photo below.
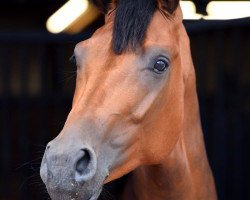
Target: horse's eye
[160,66]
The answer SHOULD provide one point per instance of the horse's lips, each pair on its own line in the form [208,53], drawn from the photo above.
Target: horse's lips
[93,197]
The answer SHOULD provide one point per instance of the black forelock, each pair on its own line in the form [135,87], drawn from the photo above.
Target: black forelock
[131,22]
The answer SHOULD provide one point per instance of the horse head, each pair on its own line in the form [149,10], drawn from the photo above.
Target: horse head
[128,104]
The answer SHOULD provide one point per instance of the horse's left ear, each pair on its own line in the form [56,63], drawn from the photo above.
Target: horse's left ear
[103,5]
[169,5]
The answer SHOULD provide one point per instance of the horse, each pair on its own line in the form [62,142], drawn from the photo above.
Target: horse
[135,111]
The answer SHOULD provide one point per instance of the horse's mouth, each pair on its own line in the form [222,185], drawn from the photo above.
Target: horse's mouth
[113,189]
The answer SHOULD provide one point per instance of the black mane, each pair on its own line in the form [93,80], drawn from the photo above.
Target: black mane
[131,22]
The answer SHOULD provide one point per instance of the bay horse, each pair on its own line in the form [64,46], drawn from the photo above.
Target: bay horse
[135,110]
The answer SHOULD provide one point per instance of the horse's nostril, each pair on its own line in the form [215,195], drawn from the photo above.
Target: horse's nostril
[85,167]
[83,162]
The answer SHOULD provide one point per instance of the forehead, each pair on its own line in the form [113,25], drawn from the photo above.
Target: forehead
[161,32]
[101,39]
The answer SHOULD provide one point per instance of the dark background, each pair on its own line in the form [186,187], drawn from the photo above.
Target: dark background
[37,84]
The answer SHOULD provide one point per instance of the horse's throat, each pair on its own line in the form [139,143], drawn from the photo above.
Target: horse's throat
[180,176]
[168,180]
[184,174]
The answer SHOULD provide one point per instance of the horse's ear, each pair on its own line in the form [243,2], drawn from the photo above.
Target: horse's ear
[102,5]
[169,5]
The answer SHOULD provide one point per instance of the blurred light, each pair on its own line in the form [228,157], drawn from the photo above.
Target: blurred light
[77,14]
[66,15]
[189,10]
[222,10]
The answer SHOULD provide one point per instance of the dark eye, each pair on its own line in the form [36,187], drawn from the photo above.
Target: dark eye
[160,66]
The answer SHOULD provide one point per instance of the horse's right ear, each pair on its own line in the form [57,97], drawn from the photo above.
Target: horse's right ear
[102,5]
[169,5]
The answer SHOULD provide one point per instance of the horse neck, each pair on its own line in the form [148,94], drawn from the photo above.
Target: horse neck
[185,173]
